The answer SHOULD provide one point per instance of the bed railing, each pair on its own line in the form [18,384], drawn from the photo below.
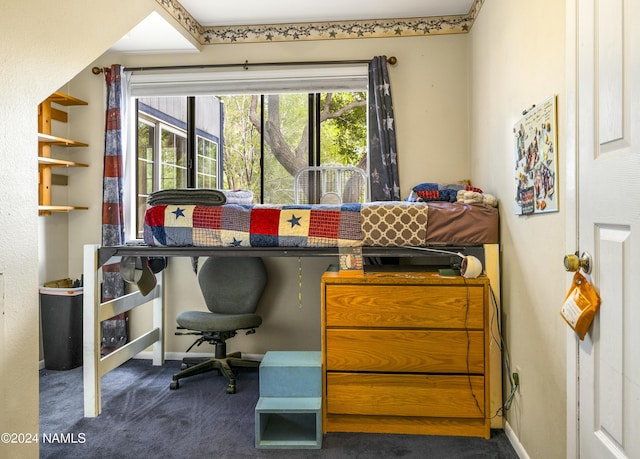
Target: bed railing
[95,312]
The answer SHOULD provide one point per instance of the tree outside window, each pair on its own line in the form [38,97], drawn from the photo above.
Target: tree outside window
[251,142]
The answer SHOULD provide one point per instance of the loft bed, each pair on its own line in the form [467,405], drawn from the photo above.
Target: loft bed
[434,232]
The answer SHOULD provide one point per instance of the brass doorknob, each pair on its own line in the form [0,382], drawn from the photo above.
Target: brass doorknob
[573,262]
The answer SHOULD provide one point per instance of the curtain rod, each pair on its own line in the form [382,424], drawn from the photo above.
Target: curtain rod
[392,60]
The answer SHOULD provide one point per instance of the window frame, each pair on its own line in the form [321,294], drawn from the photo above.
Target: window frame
[289,79]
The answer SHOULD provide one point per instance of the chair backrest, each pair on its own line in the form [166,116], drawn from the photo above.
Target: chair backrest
[232,285]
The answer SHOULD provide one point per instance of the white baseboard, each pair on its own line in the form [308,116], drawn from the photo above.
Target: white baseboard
[515,442]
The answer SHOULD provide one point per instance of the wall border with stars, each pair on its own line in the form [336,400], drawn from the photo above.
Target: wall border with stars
[435,25]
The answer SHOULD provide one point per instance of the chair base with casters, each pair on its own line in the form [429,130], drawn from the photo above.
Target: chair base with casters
[221,361]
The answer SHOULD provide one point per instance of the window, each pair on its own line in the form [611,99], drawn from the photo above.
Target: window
[164,158]
[253,140]
[207,161]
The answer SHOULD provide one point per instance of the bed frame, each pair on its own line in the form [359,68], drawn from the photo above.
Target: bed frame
[95,312]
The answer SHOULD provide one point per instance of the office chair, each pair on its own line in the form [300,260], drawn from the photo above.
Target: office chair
[232,287]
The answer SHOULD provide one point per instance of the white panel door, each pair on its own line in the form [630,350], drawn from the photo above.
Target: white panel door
[608,210]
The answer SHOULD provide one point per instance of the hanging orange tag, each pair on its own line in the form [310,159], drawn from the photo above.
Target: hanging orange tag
[580,305]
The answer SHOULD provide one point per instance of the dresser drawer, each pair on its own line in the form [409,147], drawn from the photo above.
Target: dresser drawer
[415,351]
[416,306]
[405,395]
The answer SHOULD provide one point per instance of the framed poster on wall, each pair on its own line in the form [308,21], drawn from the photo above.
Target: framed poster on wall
[536,160]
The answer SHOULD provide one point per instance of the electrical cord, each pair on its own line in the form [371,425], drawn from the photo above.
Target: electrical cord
[504,351]
[514,385]
[466,328]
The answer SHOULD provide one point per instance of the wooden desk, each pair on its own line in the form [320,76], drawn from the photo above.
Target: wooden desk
[406,352]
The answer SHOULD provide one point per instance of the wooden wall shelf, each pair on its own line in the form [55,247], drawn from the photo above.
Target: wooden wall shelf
[66,100]
[60,208]
[46,114]
[59,141]
[53,162]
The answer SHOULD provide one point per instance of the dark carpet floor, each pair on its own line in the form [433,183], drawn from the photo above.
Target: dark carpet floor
[142,418]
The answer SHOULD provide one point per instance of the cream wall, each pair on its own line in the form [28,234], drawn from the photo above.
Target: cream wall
[429,87]
[44,45]
[517,59]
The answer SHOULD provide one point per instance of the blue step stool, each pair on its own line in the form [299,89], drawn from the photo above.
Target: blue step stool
[289,411]
[291,374]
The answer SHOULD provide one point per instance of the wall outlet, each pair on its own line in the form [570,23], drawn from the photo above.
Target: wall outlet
[516,377]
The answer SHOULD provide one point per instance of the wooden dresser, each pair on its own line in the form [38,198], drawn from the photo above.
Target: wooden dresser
[405,352]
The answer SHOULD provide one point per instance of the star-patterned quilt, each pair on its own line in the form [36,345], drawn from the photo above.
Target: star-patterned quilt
[260,225]
[244,225]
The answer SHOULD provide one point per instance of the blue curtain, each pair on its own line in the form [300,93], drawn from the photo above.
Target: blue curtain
[114,330]
[383,160]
